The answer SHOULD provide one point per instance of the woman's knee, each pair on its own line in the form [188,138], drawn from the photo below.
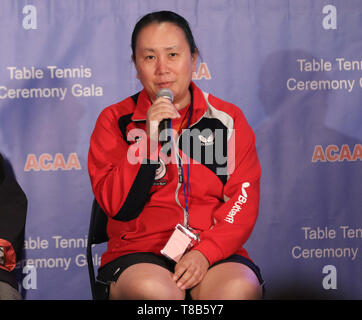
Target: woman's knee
[146,286]
[146,289]
[229,282]
[243,289]
[236,289]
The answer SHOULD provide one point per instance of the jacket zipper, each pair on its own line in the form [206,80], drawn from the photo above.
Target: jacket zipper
[180,178]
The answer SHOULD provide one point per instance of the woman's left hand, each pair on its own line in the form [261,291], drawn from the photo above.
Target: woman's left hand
[191,269]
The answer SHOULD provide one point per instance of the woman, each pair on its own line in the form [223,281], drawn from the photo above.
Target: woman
[212,194]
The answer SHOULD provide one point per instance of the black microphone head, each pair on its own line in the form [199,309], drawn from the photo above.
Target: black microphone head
[165,93]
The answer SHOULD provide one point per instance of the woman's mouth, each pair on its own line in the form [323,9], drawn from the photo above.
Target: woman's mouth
[165,84]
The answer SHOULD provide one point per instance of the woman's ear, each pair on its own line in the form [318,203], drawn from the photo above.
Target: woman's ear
[134,62]
[194,57]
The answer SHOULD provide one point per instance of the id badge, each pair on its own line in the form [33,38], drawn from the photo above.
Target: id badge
[180,240]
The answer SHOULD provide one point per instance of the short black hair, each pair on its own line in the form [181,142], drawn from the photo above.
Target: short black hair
[159,17]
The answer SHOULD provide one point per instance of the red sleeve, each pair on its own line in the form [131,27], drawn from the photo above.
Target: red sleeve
[235,219]
[121,173]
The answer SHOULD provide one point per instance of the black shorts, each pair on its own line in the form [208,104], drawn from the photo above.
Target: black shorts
[112,270]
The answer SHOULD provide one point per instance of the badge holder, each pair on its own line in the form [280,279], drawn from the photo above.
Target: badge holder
[180,241]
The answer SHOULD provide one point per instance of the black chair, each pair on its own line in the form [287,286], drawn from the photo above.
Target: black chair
[97,234]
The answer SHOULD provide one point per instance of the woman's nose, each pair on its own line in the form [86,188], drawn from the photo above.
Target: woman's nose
[161,66]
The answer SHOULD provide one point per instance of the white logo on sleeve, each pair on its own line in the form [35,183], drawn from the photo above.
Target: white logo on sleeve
[243,197]
[243,187]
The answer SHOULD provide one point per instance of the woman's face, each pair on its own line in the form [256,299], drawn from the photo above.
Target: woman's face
[163,60]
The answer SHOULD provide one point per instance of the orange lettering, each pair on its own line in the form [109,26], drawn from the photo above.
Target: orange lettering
[42,159]
[59,162]
[318,154]
[46,162]
[332,148]
[73,162]
[357,152]
[345,153]
[202,72]
[31,163]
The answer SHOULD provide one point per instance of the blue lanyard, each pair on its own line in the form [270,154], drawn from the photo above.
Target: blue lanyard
[185,182]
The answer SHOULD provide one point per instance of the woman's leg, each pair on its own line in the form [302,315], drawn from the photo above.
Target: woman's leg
[145,281]
[228,281]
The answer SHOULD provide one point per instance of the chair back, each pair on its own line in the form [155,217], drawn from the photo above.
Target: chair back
[97,234]
[98,225]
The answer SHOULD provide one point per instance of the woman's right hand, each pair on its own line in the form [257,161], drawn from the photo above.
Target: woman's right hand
[161,109]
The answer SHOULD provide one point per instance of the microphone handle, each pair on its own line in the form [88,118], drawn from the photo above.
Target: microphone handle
[165,127]
[165,124]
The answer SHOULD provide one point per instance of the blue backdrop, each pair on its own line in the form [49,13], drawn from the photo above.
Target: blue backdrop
[293,67]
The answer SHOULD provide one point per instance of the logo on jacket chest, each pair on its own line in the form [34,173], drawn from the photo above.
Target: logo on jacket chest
[207,141]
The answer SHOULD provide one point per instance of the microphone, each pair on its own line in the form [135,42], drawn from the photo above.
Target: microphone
[165,124]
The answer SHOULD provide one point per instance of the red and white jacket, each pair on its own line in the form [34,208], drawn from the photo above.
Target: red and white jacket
[144,196]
